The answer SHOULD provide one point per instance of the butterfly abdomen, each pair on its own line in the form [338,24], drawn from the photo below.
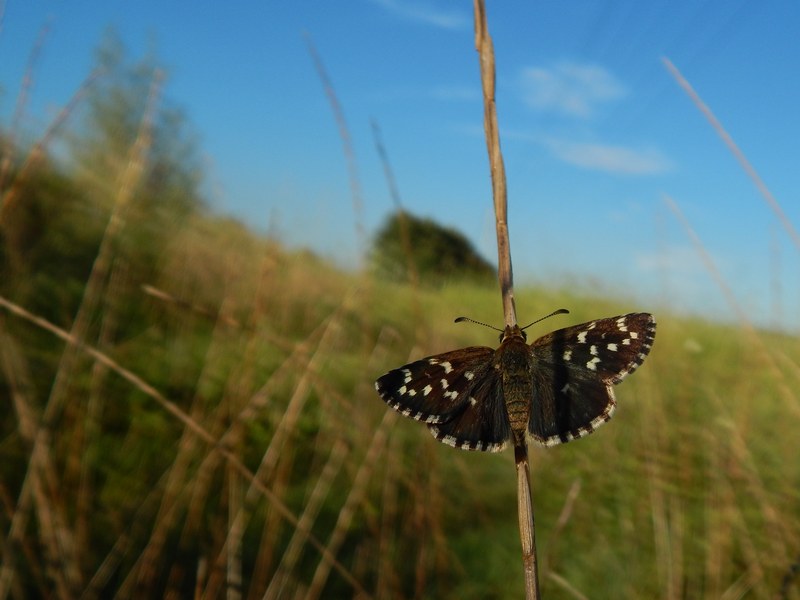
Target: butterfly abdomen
[514,363]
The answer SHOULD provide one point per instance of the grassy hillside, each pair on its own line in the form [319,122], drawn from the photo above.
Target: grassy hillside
[237,437]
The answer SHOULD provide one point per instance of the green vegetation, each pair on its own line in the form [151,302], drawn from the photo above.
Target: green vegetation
[241,399]
[407,246]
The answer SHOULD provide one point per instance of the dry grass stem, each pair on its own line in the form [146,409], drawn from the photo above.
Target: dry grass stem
[405,236]
[786,392]
[736,151]
[278,443]
[485,48]
[312,508]
[354,498]
[548,560]
[22,103]
[191,424]
[206,313]
[37,153]
[347,143]
[56,536]
[566,586]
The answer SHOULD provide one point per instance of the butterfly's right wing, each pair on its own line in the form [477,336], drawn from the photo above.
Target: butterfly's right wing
[458,394]
[574,372]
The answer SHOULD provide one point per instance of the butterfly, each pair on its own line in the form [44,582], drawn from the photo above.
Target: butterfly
[556,389]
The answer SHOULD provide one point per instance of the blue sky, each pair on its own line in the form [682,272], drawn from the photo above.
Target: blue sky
[595,132]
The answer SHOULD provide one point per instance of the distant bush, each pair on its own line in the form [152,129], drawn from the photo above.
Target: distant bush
[407,244]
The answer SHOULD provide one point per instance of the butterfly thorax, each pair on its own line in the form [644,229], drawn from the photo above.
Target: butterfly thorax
[514,361]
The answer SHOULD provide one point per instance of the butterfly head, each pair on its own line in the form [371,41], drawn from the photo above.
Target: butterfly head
[513,332]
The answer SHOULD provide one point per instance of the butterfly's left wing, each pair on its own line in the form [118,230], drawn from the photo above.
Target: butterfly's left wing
[574,372]
[458,394]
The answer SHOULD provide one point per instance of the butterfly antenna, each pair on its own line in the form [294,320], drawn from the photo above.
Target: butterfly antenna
[461,319]
[560,311]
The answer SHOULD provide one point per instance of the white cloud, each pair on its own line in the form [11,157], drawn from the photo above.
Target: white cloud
[569,88]
[611,159]
[425,13]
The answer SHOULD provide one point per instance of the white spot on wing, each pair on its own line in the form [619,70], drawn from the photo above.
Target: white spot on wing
[592,364]
[582,337]
[447,367]
[426,390]
[567,355]
[449,440]
[612,347]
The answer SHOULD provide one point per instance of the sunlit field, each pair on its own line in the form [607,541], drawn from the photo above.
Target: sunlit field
[190,411]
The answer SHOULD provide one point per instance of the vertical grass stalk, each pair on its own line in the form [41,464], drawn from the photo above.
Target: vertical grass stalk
[484,46]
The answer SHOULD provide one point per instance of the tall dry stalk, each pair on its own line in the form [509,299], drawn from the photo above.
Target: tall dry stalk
[746,165]
[347,143]
[201,432]
[37,153]
[485,48]
[22,102]
[42,480]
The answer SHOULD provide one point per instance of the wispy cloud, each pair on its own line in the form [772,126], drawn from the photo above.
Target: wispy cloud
[426,13]
[609,158]
[569,88]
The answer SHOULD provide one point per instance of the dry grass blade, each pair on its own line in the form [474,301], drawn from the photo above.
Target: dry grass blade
[60,540]
[177,487]
[22,102]
[566,586]
[405,238]
[38,151]
[745,164]
[786,392]
[191,424]
[354,498]
[15,370]
[548,560]
[318,494]
[285,427]
[527,525]
[347,142]
[485,48]
[206,313]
